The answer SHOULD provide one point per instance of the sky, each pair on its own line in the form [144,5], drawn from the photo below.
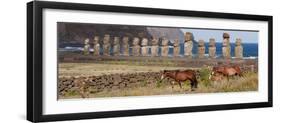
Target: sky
[246,36]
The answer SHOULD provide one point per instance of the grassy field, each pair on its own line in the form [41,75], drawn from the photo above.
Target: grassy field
[249,81]
[90,69]
[236,85]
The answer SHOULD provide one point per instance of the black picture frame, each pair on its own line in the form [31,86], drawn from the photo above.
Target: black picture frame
[35,69]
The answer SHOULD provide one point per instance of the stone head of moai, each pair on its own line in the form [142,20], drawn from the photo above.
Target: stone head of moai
[136,41]
[86,41]
[212,48]
[154,40]
[96,40]
[201,43]
[238,48]
[106,39]
[165,41]
[201,48]
[86,46]
[116,40]
[125,40]
[212,42]
[188,36]
[238,42]
[176,42]
[226,41]
[144,42]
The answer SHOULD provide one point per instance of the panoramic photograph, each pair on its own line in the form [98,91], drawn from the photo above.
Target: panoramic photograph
[109,60]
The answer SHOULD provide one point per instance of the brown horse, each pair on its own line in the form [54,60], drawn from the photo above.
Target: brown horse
[227,71]
[181,76]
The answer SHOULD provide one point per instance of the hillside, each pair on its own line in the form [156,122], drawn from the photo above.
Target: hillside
[75,33]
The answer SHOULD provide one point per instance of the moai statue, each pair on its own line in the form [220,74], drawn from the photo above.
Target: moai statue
[144,49]
[96,46]
[212,48]
[188,44]
[165,47]
[116,46]
[125,46]
[155,46]
[201,49]
[226,49]
[238,48]
[176,47]
[136,47]
[87,46]
[106,45]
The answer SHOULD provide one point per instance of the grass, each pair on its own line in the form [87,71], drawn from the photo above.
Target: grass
[249,81]
[71,93]
[204,76]
[236,84]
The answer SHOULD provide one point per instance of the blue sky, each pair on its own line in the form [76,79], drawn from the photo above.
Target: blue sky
[246,36]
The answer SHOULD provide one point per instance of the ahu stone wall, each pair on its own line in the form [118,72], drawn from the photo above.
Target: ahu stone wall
[107,82]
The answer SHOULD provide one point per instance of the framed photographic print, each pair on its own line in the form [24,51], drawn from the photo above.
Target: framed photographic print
[95,61]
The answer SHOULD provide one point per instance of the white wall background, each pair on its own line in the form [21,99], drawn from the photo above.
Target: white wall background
[13,61]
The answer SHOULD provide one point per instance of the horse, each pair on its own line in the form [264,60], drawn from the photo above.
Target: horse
[216,77]
[227,71]
[181,76]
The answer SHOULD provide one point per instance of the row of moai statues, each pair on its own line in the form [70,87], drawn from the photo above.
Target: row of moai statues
[226,48]
[140,47]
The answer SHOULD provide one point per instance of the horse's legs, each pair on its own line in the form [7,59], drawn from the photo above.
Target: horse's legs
[172,83]
[195,83]
[240,75]
[180,84]
[191,83]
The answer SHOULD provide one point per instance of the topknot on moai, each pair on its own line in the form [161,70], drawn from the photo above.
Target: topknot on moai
[125,46]
[154,46]
[201,49]
[87,46]
[188,44]
[226,49]
[165,47]
[96,46]
[136,47]
[226,35]
[212,48]
[144,48]
[116,46]
[238,48]
[106,45]
[176,47]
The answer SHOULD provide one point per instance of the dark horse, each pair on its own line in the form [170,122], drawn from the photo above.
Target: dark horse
[227,71]
[181,76]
